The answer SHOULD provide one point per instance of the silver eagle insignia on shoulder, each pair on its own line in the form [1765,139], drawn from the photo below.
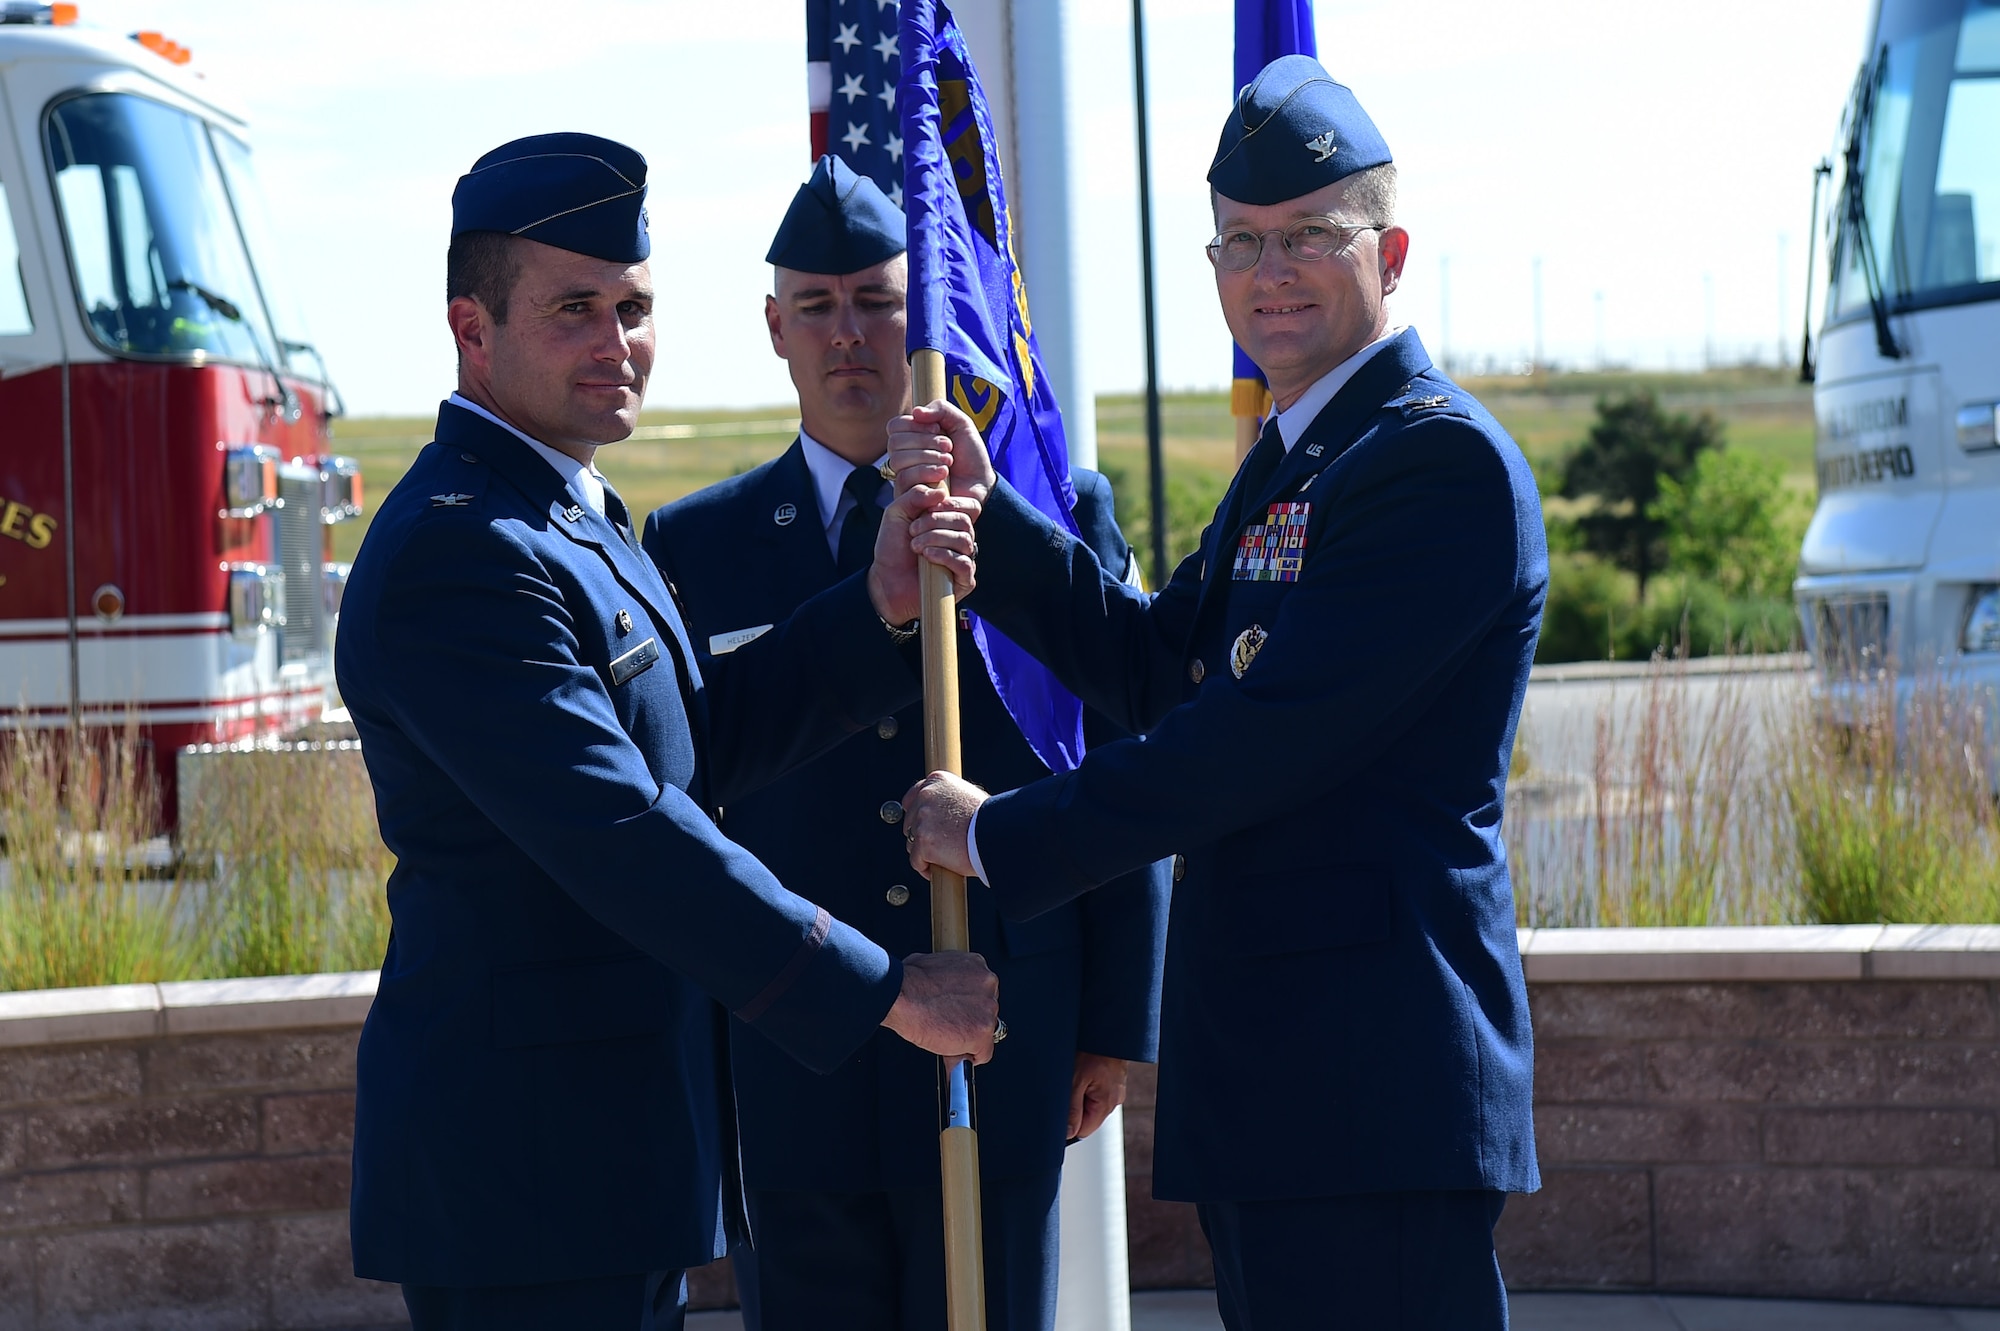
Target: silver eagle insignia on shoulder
[1323,145]
[449,501]
[1244,650]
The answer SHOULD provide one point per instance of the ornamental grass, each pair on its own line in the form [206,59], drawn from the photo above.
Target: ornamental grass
[278,869]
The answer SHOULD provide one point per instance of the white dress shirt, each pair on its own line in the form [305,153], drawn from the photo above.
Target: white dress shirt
[583,477]
[829,474]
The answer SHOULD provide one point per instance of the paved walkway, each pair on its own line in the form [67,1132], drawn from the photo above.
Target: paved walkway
[1194,1310]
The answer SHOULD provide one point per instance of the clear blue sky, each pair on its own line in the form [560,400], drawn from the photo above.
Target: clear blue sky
[1653,153]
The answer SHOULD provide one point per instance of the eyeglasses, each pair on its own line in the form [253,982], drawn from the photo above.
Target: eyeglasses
[1308,239]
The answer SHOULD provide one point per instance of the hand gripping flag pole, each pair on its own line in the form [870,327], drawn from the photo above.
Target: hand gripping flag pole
[973,344]
[958,1142]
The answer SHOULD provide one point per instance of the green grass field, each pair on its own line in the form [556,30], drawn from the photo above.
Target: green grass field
[1766,412]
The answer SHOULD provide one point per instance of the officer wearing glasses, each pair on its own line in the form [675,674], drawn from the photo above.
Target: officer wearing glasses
[1329,689]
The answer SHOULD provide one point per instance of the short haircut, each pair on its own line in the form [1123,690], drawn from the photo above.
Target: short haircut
[1369,196]
[483,265]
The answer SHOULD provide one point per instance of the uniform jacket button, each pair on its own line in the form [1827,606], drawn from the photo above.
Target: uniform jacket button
[892,812]
[886,728]
[1196,670]
[897,895]
[1180,867]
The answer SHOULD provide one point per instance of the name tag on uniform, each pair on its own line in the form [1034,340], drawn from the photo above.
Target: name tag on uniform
[1273,550]
[722,644]
[635,662]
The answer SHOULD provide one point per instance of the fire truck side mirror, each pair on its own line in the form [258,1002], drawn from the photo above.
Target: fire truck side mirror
[340,490]
[249,480]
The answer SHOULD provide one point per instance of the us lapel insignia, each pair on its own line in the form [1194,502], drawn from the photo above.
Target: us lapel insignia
[1273,550]
[449,501]
[1244,650]
[784,514]
[574,513]
[1314,450]
[624,621]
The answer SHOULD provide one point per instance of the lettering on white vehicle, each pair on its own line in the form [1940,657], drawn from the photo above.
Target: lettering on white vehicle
[1876,414]
[1867,466]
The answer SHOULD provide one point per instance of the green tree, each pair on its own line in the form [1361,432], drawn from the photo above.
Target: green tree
[1632,444]
[1733,523]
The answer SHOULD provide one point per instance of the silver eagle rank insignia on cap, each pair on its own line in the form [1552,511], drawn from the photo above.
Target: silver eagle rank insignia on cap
[1324,146]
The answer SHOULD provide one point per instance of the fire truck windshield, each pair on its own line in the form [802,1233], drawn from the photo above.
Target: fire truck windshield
[155,250]
[1924,179]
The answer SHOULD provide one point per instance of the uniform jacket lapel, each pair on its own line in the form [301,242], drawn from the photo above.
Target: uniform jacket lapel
[576,520]
[796,549]
[568,514]
[1339,424]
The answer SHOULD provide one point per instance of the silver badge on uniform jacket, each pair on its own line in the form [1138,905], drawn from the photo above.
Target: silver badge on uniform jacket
[784,514]
[1244,650]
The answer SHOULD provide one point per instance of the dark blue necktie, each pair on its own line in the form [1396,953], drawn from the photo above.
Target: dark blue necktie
[621,517]
[857,533]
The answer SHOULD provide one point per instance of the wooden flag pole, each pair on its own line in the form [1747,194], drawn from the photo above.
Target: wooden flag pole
[958,1142]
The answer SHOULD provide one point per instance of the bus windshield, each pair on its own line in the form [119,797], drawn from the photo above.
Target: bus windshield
[1930,160]
[158,260]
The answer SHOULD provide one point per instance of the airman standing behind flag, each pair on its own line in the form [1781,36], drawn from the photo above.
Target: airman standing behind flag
[842,1170]
[1329,688]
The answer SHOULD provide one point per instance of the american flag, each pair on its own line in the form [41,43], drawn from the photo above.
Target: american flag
[852,65]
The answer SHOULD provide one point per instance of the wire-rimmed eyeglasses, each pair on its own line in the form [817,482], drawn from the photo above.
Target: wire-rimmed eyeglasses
[1308,239]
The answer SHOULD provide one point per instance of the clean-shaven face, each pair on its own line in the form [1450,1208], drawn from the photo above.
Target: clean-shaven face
[570,364]
[1299,319]
[841,336]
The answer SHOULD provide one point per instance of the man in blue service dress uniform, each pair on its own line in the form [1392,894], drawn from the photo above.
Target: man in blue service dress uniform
[1330,687]
[842,1170]
[543,1136]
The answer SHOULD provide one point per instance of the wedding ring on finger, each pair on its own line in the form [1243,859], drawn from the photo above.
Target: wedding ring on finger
[999,1030]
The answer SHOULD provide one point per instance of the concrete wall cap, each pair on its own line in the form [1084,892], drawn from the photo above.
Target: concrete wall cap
[1763,953]
[71,1016]
[268,1003]
[1717,954]
[143,1011]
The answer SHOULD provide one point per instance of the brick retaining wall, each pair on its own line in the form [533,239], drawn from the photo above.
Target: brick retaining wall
[1783,1112]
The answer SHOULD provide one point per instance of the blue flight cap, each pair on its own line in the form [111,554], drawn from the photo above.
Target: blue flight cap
[573,191]
[1293,130]
[839,222]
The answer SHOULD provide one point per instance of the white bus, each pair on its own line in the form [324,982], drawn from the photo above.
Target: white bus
[1900,571]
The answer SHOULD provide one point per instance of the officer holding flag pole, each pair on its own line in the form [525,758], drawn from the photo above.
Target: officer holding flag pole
[1330,688]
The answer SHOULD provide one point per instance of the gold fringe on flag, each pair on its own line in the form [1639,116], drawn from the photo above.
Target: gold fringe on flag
[1249,403]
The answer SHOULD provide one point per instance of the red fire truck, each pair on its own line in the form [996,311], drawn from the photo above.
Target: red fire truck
[166,490]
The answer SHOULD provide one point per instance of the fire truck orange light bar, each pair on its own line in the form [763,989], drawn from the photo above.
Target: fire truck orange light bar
[28,12]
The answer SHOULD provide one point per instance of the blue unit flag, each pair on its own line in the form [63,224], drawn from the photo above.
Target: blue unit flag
[968,301]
